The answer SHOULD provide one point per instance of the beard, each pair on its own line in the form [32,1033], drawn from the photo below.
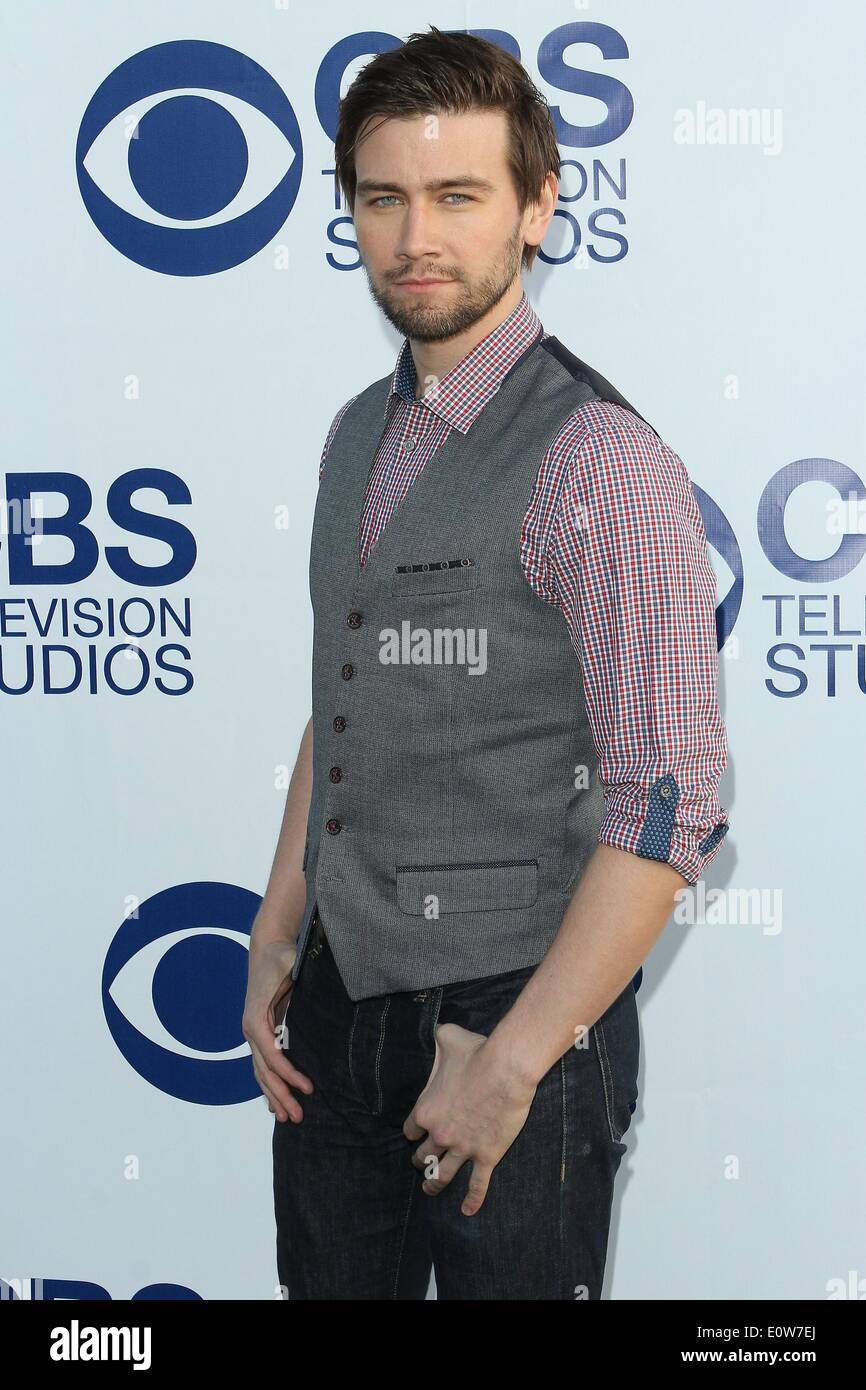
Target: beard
[426,322]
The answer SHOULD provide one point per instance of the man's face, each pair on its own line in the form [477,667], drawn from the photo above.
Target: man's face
[469,236]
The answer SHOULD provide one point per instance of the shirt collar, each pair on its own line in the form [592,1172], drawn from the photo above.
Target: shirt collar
[463,392]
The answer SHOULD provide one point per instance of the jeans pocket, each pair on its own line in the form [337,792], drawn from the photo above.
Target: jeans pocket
[617,1049]
[480,1004]
[313,945]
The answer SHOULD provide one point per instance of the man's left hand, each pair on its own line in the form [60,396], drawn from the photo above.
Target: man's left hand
[472,1108]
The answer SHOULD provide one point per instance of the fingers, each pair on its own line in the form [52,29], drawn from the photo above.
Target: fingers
[441,1170]
[479,1181]
[412,1129]
[290,1110]
[280,1100]
[276,1061]
[272,1076]
[426,1157]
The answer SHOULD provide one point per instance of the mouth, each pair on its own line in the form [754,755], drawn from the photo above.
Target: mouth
[421,284]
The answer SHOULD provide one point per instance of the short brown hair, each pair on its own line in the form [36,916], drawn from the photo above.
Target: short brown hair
[453,72]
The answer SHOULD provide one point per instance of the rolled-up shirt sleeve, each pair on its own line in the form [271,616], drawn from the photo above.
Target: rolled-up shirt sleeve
[631,567]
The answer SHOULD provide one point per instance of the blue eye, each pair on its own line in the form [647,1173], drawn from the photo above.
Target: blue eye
[375,202]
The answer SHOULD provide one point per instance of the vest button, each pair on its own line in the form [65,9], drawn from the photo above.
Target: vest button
[354,619]
[335,774]
[347,671]
[333,826]
[339,724]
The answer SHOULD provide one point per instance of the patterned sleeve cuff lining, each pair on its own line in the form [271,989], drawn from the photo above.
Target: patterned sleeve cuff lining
[659,839]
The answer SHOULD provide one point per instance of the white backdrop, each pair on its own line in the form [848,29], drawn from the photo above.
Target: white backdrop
[720,288]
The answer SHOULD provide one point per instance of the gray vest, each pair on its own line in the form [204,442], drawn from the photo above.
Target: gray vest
[446,834]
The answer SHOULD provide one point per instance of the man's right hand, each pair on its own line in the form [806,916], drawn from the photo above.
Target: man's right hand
[269,986]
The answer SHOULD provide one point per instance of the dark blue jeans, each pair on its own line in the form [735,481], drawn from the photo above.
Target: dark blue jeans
[352,1220]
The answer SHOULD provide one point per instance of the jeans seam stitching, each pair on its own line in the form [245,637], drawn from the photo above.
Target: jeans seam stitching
[562,1262]
[351,1041]
[437,1007]
[412,1190]
[379,1055]
[564,1121]
[606,1078]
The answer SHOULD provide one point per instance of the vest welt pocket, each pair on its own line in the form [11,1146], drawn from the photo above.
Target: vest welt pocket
[452,579]
[428,889]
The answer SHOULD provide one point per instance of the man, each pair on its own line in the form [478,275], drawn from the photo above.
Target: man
[512,763]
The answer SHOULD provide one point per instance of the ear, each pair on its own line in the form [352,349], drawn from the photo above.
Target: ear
[538,214]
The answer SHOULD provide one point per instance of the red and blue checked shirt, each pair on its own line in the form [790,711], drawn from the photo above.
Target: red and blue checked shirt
[613,537]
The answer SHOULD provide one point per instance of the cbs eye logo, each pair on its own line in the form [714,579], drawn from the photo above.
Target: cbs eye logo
[173,989]
[170,132]
[720,535]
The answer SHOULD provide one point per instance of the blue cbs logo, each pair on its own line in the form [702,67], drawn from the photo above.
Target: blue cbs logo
[846,541]
[170,131]
[183,118]
[173,988]
[40,1290]
[720,535]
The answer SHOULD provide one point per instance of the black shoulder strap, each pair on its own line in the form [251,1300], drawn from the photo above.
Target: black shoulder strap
[582,372]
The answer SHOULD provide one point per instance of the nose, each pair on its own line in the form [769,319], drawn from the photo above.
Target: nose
[415,240]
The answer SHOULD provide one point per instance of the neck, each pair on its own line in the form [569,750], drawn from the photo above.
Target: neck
[437,358]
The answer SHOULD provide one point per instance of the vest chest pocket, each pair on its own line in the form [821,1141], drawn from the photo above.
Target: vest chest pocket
[440,577]
[477,887]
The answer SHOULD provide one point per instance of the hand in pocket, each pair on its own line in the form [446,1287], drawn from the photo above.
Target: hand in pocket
[269,997]
[473,1107]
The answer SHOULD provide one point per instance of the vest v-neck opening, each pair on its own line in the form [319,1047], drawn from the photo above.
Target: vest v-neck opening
[483,421]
